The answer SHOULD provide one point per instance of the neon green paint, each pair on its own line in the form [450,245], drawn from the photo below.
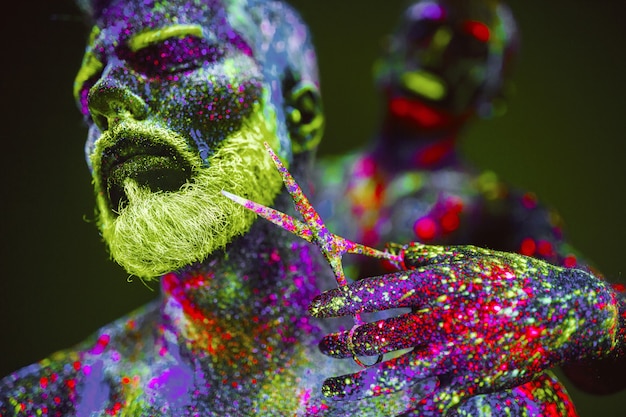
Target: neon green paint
[442,37]
[90,66]
[425,84]
[95,31]
[144,39]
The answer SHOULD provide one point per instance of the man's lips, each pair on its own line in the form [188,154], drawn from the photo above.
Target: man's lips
[149,163]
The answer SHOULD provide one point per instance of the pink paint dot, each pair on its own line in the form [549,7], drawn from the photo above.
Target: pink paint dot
[425,228]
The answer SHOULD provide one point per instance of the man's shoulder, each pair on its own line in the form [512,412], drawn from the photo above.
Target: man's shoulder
[59,384]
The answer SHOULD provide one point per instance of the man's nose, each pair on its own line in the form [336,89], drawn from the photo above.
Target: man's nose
[110,101]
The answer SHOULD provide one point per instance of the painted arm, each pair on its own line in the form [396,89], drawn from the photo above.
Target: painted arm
[480,321]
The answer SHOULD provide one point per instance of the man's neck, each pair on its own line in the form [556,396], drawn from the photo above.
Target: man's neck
[242,312]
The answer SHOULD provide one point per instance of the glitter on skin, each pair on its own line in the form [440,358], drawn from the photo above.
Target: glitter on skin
[237,320]
[484,290]
[410,183]
[229,336]
[480,331]
[333,247]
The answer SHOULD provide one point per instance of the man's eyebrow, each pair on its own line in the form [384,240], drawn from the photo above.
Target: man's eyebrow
[145,39]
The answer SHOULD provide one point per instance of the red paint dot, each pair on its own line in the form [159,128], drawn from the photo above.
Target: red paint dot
[619,287]
[450,221]
[545,248]
[435,153]
[528,247]
[125,380]
[569,261]
[425,228]
[101,344]
[104,340]
[478,30]
[456,205]
[415,111]
[529,200]
[551,410]
[43,382]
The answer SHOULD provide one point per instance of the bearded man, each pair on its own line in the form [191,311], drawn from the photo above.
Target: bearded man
[179,97]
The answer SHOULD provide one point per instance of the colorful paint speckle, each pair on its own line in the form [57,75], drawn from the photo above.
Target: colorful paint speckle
[259,324]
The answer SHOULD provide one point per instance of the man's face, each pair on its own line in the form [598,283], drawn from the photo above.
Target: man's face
[176,104]
[442,55]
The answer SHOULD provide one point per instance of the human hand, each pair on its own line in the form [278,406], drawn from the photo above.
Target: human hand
[481,321]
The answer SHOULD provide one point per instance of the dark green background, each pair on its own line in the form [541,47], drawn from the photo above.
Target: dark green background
[563,137]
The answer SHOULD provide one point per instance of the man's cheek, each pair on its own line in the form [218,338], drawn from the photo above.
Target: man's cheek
[210,114]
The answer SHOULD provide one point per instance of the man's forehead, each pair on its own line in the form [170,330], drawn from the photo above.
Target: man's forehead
[133,16]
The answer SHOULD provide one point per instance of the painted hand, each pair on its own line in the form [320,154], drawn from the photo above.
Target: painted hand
[480,321]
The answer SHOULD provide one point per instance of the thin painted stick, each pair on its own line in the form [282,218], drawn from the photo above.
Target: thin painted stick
[313,230]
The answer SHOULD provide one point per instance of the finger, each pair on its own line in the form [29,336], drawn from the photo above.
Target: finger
[398,290]
[508,402]
[417,393]
[407,331]
[543,396]
[432,405]
[416,367]
[442,399]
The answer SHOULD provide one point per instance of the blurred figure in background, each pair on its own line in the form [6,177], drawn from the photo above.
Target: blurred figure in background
[446,63]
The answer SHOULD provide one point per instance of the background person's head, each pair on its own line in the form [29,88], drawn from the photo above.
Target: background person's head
[446,61]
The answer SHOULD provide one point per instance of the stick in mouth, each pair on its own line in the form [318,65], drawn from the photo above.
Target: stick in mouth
[313,230]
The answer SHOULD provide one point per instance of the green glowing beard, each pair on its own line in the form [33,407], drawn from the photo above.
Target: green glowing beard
[160,232]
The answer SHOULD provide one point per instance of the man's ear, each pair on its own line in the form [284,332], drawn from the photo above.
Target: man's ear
[305,116]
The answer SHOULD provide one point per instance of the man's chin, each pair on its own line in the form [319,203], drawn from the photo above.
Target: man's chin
[158,232]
